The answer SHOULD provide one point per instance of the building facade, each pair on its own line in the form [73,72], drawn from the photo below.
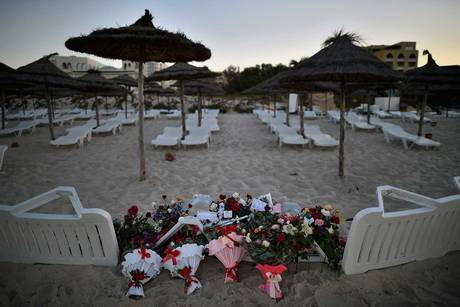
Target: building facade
[402,56]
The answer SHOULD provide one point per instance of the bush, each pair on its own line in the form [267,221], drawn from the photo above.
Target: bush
[243,108]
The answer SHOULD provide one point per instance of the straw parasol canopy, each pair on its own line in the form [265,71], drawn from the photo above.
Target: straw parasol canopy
[5,75]
[43,73]
[129,82]
[431,77]
[141,42]
[98,85]
[342,60]
[181,72]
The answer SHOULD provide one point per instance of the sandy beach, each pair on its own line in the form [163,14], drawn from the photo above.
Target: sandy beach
[243,157]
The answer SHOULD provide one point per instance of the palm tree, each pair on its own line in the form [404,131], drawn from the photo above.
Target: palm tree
[341,34]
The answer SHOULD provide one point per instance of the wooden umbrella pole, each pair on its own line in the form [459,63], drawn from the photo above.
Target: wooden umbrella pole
[3,109]
[274,105]
[97,111]
[342,130]
[200,114]
[287,112]
[126,102]
[184,129]
[422,113]
[389,102]
[369,109]
[142,170]
[50,118]
[325,109]
[301,113]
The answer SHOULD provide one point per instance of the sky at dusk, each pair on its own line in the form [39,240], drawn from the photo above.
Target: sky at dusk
[238,32]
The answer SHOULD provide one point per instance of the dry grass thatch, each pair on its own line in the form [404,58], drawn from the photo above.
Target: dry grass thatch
[141,41]
[95,83]
[182,71]
[125,79]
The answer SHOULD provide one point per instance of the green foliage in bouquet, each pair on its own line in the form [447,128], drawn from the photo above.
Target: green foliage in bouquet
[272,238]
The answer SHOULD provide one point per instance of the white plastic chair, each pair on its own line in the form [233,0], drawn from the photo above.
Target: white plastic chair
[84,237]
[408,140]
[379,239]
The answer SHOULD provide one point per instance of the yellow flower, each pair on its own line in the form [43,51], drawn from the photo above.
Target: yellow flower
[179,198]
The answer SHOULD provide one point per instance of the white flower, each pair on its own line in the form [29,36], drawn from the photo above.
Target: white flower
[236,196]
[331,230]
[243,230]
[248,238]
[154,205]
[289,229]
[328,207]
[242,202]
[307,229]
[265,243]
[261,227]
[280,221]
[275,226]
[173,202]
[169,210]
[213,207]
[325,212]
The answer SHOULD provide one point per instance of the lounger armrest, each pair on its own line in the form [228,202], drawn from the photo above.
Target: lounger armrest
[395,193]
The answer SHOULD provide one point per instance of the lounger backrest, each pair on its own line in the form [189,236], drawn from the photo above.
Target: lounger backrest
[172,131]
[198,131]
[85,237]
[378,239]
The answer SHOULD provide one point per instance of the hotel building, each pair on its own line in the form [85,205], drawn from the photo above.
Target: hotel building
[402,56]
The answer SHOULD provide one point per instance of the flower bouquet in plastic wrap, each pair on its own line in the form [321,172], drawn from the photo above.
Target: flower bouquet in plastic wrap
[140,266]
[183,262]
[228,249]
[272,277]
[231,207]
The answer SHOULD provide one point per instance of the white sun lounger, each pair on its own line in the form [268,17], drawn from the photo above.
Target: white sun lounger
[309,114]
[19,129]
[152,114]
[197,136]
[319,139]
[174,114]
[131,120]
[85,237]
[356,122]
[379,239]
[334,116]
[3,149]
[171,137]
[408,140]
[289,136]
[413,117]
[457,182]
[381,114]
[85,115]
[75,136]
[109,126]
[380,124]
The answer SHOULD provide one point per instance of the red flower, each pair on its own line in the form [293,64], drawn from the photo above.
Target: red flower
[281,237]
[190,205]
[148,215]
[342,242]
[222,197]
[138,276]
[163,196]
[133,210]
[233,204]
[335,220]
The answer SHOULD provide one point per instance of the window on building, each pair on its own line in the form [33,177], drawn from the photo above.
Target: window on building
[401,57]
[83,66]
[124,66]
[69,65]
[64,65]
[389,57]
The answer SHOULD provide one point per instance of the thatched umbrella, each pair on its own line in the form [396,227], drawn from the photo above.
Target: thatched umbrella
[98,85]
[140,42]
[45,74]
[199,87]
[6,73]
[153,87]
[344,62]
[181,72]
[129,82]
[429,77]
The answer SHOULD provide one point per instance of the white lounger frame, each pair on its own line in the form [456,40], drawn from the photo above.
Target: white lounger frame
[85,237]
[379,239]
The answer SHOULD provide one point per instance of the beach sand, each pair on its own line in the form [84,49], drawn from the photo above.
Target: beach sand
[243,157]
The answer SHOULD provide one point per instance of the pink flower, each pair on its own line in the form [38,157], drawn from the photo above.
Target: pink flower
[319,222]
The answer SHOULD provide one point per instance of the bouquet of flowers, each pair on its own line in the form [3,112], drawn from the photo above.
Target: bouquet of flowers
[272,238]
[272,277]
[325,220]
[136,229]
[140,266]
[183,262]
[228,249]
[231,207]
